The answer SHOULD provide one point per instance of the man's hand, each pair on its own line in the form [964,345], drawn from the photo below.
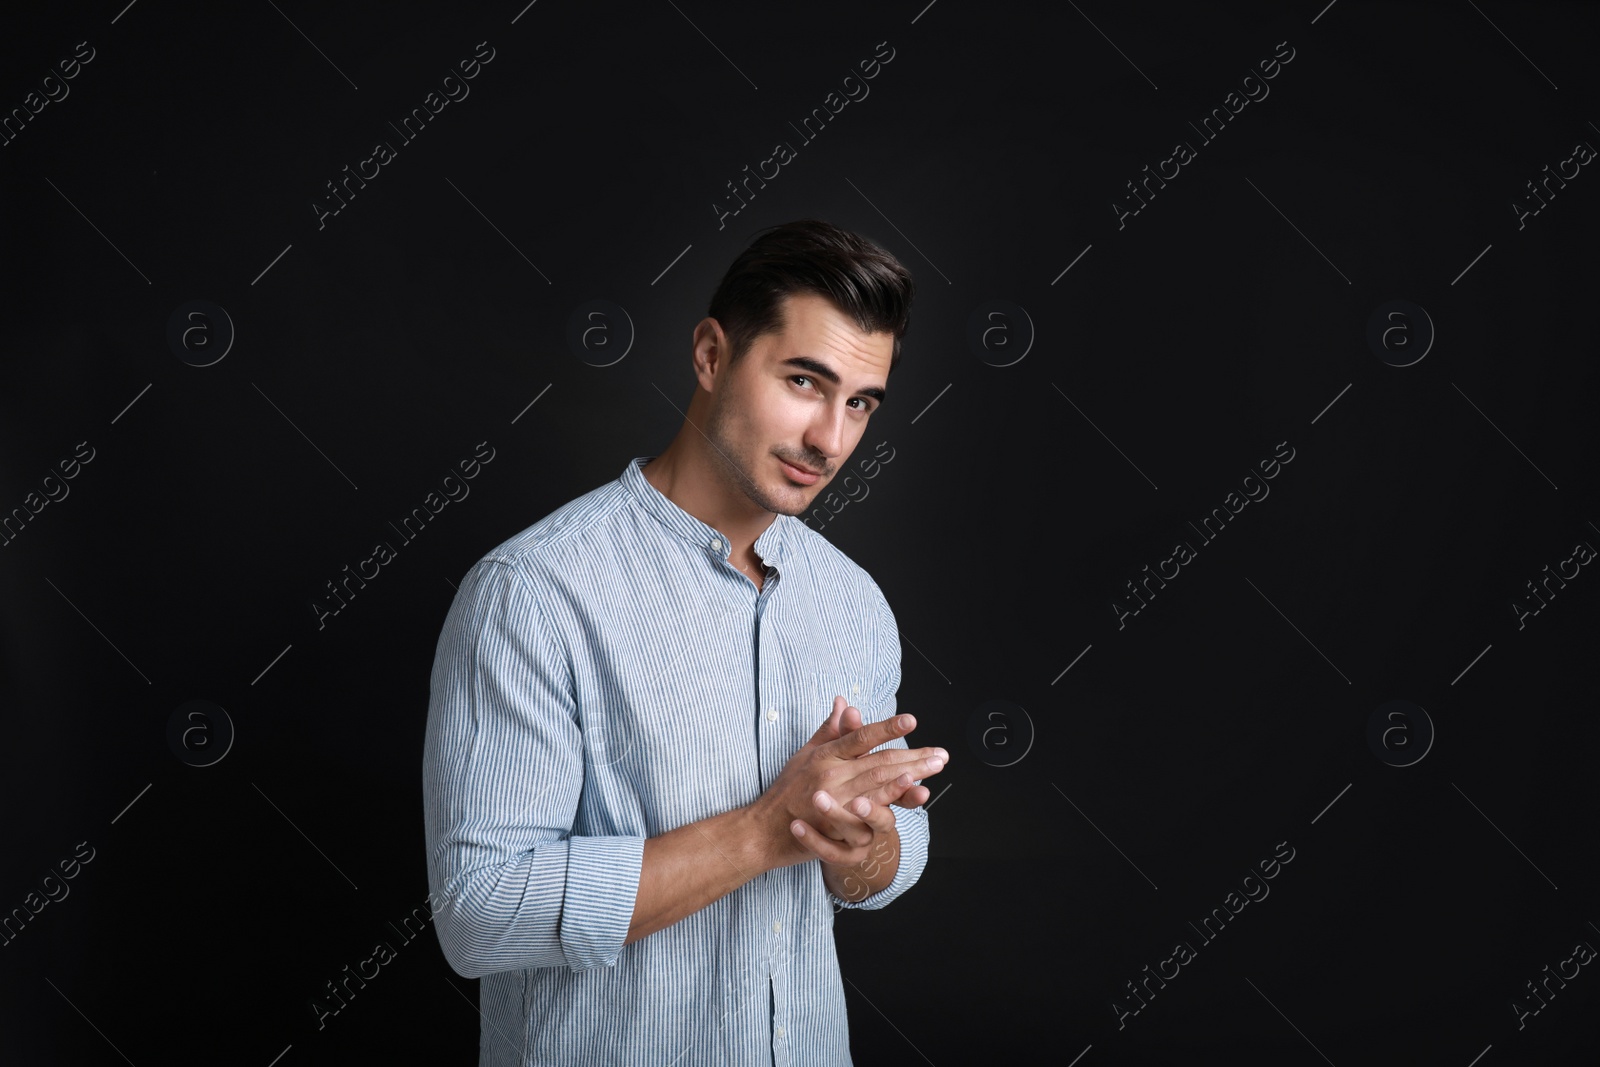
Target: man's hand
[901,791]
[833,765]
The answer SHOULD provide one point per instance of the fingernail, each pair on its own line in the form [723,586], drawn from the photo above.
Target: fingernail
[825,802]
[904,722]
[799,829]
[941,755]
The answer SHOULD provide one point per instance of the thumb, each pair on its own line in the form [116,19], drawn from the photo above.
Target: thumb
[829,729]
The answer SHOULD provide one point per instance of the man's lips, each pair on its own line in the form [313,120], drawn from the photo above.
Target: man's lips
[799,473]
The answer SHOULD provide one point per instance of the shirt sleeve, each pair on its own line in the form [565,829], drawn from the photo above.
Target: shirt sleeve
[910,823]
[503,759]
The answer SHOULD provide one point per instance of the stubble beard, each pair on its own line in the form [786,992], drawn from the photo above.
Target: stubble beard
[737,468]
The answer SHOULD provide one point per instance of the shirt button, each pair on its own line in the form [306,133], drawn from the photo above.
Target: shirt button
[716,546]
[854,689]
[777,1031]
[777,927]
[772,714]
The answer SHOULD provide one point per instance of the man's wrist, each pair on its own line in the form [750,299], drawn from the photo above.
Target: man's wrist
[759,834]
[872,875]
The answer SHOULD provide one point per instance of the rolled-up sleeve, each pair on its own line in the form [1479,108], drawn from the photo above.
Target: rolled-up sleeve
[503,763]
[910,823]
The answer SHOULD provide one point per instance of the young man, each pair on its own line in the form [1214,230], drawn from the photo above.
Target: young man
[638,829]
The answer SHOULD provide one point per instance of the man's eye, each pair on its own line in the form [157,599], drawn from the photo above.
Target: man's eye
[866,406]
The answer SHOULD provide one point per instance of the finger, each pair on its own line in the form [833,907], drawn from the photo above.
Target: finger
[838,822]
[901,758]
[889,791]
[902,791]
[882,768]
[850,721]
[876,815]
[826,850]
[869,737]
[830,726]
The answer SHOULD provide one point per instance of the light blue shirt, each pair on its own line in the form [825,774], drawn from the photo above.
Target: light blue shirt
[605,676]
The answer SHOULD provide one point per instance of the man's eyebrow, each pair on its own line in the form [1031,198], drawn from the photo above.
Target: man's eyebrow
[822,370]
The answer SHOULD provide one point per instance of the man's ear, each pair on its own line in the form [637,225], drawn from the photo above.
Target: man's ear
[710,346]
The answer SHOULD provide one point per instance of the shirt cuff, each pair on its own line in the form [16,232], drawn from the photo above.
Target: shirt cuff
[912,826]
[602,887]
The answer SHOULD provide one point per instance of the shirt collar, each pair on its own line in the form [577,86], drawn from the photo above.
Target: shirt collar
[771,546]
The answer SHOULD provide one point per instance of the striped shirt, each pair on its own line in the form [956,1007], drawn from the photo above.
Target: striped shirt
[605,676]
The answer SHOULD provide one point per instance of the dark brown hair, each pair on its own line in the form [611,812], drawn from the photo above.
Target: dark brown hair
[862,279]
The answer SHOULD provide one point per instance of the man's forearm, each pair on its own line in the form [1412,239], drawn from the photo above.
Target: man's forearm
[872,875]
[687,868]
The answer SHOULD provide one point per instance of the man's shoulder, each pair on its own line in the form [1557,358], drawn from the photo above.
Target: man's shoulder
[830,564]
[534,548]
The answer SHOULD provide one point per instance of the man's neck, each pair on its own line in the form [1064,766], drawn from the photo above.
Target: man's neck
[689,482]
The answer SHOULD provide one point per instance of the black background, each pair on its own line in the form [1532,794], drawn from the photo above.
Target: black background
[1168,755]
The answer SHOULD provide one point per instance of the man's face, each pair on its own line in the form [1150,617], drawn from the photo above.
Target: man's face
[780,404]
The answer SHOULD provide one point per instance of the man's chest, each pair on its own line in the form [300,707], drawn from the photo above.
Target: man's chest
[696,706]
